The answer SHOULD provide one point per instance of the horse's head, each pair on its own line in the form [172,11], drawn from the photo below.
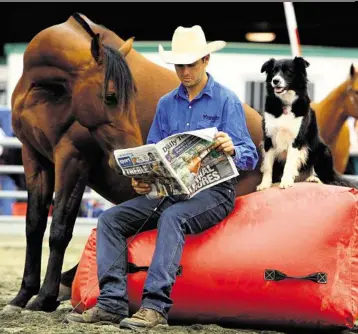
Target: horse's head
[77,71]
[352,93]
[104,97]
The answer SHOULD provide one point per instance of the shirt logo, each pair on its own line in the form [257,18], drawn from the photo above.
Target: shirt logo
[211,118]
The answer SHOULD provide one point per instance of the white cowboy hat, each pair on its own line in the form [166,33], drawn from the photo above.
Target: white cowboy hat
[188,46]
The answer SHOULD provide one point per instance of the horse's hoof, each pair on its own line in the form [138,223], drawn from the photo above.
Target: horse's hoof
[42,305]
[64,293]
[11,309]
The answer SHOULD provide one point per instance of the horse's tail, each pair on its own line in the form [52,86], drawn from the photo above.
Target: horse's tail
[325,170]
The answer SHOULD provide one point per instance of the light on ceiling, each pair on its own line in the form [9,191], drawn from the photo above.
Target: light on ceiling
[263,37]
[260,32]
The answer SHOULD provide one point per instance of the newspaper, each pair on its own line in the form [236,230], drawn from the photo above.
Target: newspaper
[181,164]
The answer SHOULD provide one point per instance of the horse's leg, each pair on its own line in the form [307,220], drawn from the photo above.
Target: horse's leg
[71,174]
[67,278]
[40,182]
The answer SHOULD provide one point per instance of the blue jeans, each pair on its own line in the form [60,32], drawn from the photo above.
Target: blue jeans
[174,218]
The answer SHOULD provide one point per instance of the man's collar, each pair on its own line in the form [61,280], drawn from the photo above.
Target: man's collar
[208,89]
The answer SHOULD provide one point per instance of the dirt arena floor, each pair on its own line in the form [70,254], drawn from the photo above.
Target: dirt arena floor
[12,255]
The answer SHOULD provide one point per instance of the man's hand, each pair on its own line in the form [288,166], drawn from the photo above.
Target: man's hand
[141,187]
[224,143]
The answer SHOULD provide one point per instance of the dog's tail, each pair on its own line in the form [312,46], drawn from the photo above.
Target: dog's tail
[325,170]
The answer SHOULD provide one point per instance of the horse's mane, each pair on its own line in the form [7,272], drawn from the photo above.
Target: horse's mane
[116,66]
[117,70]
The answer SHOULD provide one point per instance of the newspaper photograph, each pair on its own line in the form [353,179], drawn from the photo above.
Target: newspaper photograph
[184,163]
[194,160]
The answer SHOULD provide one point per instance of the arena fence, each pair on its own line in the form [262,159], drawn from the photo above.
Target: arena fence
[13,142]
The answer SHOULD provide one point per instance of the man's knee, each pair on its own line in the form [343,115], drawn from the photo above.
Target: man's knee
[172,218]
[104,217]
[110,218]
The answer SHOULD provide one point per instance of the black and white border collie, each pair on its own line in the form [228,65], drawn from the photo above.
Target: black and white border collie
[292,148]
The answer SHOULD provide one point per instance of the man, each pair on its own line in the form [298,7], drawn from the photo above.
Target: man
[198,102]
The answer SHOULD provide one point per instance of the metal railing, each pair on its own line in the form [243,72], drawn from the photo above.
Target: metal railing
[13,142]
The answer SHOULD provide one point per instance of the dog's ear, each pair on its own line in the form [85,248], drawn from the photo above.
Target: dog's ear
[301,62]
[352,71]
[268,66]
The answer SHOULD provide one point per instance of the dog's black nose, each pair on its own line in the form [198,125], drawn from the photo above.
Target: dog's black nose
[275,81]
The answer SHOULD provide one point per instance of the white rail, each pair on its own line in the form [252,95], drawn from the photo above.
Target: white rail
[21,219]
[13,224]
[22,194]
[10,142]
[11,169]
[13,142]
[86,222]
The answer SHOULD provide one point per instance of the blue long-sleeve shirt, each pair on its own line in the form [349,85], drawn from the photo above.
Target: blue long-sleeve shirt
[216,106]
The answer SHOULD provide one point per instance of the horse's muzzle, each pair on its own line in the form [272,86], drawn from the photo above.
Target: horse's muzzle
[113,164]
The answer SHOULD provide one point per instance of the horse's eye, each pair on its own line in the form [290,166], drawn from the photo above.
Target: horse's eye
[111,100]
[52,90]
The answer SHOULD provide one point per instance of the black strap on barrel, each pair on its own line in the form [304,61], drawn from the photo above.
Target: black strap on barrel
[276,275]
[133,268]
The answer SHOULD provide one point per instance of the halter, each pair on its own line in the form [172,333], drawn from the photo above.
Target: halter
[95,37]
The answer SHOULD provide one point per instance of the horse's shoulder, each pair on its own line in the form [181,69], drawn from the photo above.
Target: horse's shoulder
[225,92]
[168,97]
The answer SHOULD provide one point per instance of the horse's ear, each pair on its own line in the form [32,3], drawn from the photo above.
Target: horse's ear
[96,47]
[352,71]
[126,47]
[267,66]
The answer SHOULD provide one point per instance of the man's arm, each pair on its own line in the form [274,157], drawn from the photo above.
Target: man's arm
[234,124]
[156,131]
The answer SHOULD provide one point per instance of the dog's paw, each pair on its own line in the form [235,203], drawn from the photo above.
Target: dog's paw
[286,182]
[264,185]
[313,178]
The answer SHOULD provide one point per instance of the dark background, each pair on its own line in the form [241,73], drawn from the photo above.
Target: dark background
[327,24]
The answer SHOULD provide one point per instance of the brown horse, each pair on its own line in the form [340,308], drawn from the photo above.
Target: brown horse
[83,92]
[332,113]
